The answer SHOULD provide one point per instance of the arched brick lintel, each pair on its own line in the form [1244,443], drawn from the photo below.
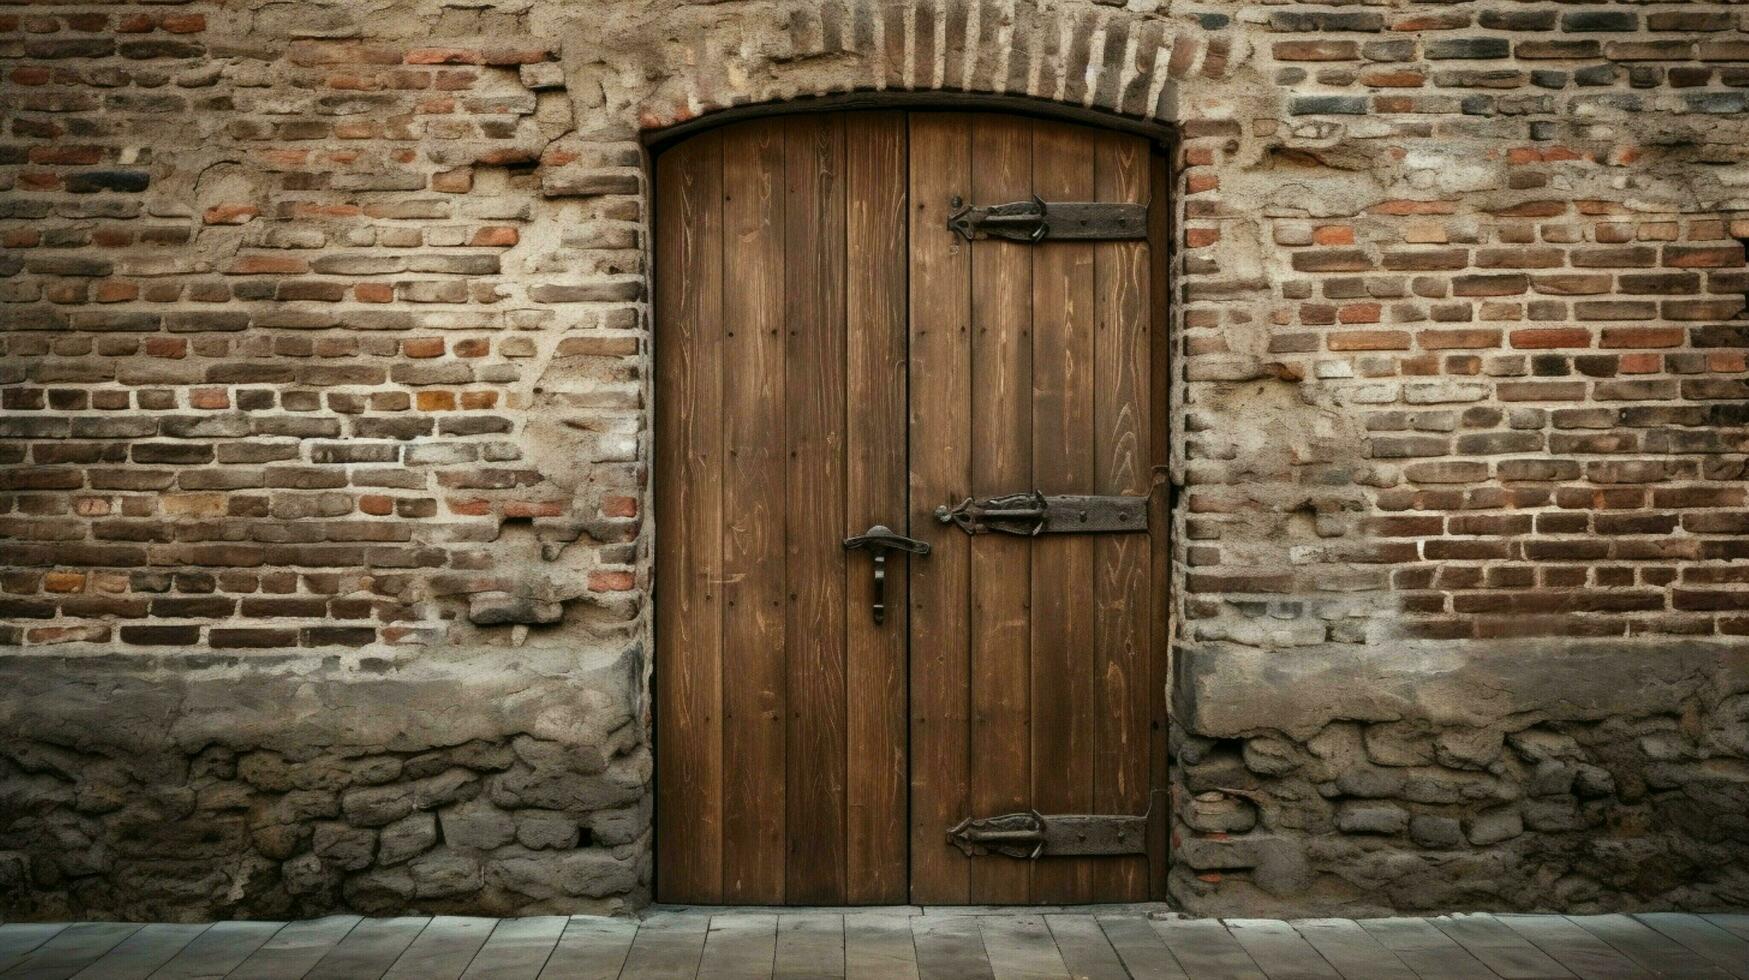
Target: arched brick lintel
[1073,53]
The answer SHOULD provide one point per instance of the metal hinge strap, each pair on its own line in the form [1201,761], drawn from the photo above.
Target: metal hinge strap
[1032,513]
[1035,221]
[1031,835]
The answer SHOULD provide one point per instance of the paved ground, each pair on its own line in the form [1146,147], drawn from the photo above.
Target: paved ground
[928,942]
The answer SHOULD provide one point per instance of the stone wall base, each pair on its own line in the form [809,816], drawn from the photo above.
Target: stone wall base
[1418,778]
[499,783]
[1339,780]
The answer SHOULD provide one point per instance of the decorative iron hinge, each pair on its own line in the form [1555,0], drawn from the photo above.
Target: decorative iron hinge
[1035,221]
[1033,513]
[1032,835]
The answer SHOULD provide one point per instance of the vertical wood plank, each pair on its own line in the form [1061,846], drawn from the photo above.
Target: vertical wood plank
[688,669]
[1062,462]
[814,508]
[876,670]
[1001,461]
[940,434]
[1123,562]
[753,679]
[1159,520]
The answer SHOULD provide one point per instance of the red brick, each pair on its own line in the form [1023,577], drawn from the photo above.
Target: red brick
[1552,337]
[1629,337]
[619,506]
[1350,340]
[609,581]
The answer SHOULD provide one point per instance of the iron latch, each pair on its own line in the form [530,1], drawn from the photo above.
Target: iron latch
[879,540]
[1035,221]
[1031,835]
[1032,513]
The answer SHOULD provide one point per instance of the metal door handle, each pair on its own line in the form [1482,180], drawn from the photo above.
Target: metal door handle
[879,540]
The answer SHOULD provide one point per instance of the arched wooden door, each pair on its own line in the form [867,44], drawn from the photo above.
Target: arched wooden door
[832,357]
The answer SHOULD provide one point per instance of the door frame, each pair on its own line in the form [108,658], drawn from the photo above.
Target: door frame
[1165,404]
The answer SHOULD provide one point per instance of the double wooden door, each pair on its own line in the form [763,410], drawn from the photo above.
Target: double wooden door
[830,357]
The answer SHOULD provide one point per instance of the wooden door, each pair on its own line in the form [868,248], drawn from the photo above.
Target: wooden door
[829,357]
[1031,369]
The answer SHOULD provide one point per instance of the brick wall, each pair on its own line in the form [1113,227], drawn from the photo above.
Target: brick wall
[1500,260]
[323,345]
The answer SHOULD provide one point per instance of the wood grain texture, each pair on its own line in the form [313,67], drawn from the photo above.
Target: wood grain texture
[688,491]
[1001,463]
[877,857]
[1123,581]
[1160,623]
[832,357]
[940,437]
[754,679]
[813,399]
[1063,461]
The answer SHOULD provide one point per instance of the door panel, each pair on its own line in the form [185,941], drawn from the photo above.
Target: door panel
[689,556]
[829,356]
[755,397]
[765,769]
[1030,657]
[1001,454]
[1123,563]
[875,475]
[941,441]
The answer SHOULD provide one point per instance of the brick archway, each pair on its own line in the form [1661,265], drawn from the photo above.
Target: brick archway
[1079,54]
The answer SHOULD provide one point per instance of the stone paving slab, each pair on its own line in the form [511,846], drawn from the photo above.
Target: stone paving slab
[924,942]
